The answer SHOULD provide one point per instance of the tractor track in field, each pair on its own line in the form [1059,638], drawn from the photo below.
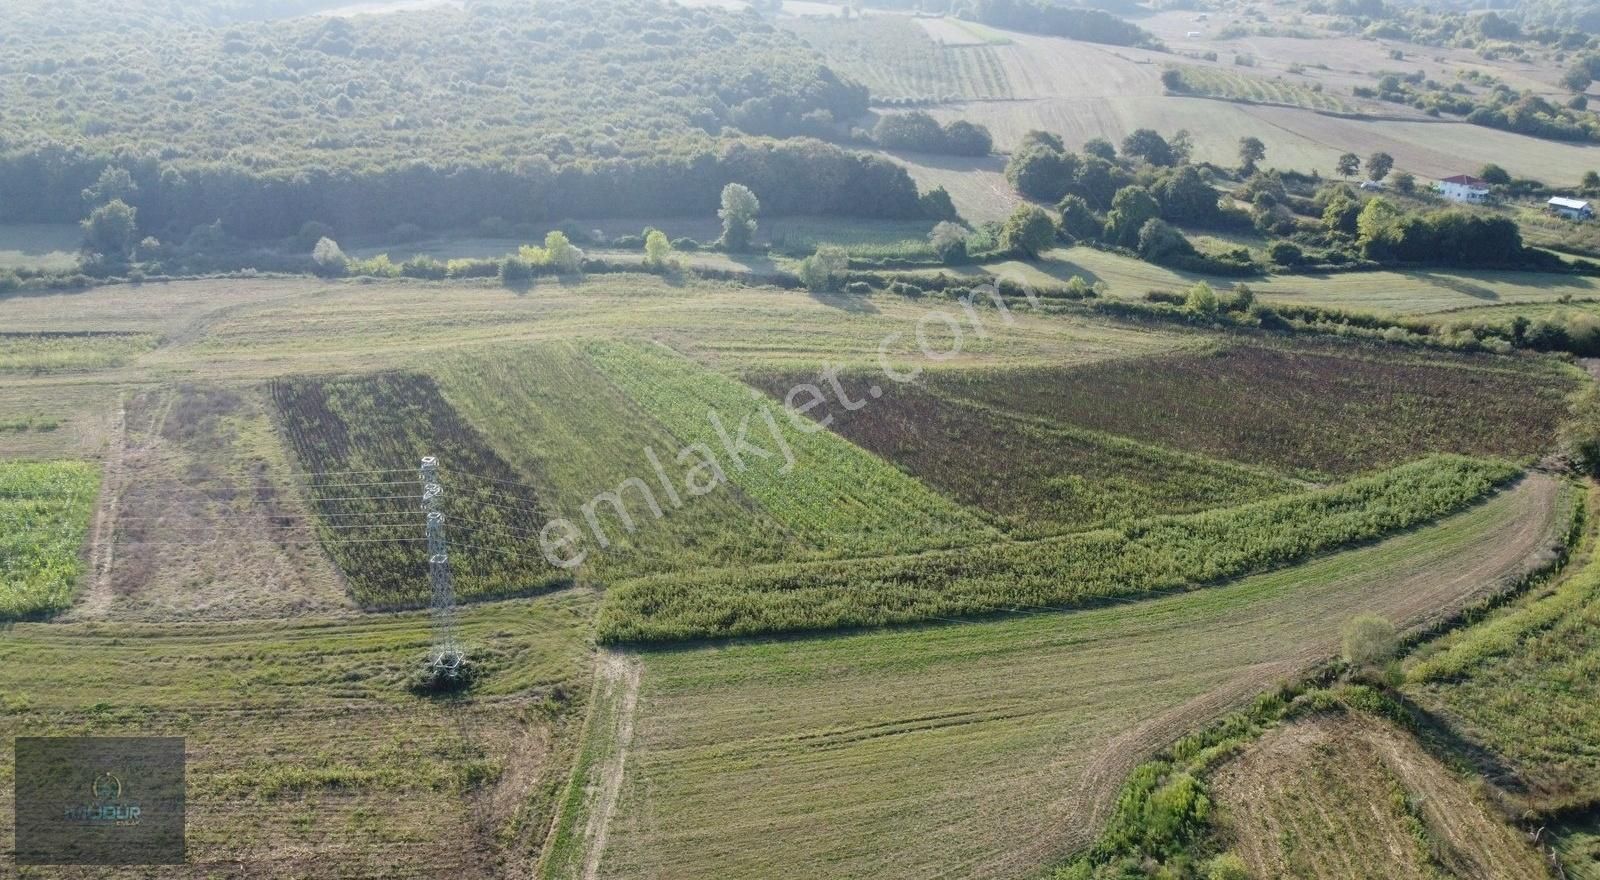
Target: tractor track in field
[613,671]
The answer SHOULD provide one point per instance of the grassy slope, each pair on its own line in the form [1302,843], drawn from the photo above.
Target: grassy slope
[992,749]
[1523,685]
[45,509]
[1159,554]
[1347,796]
[307,756]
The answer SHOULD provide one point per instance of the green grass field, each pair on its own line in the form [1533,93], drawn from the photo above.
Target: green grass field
[550,412]
[814,485]
[993,749]
[48,354]
[45,508]
[1394,293]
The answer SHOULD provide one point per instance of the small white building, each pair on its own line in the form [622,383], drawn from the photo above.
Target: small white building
[1463,188]
[1572,209]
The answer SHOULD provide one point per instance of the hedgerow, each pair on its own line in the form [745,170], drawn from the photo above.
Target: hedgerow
[1165,553]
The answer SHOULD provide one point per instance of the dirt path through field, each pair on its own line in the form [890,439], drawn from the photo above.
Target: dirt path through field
[97,596]
[614,671]
[993,749]
[1419,596]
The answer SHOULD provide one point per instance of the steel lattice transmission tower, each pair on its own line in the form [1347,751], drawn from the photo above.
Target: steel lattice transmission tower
[447,660]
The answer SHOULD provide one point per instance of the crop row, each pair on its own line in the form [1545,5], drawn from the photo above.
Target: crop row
[1040,478]
[372,525]
[1308,412]
[1244,87]
[45,509]
[1165,553]
[895,58]
[833,494]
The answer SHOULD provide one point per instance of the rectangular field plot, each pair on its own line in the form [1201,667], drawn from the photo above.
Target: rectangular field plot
[1213,82]
[549,412]
[360,440]
[1151,556]
[44,516]
[995,749]
[201,518]
[1039,478]
[1303,411]
[827,492]
[897,59]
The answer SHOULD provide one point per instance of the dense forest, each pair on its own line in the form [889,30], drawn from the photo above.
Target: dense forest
[522,110]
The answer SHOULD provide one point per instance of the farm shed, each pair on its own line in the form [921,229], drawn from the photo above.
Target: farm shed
[1572,209]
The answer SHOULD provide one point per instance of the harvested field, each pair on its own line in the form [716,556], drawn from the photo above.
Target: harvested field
[1321,411]
[1037,478]
[994,749]
[358,441]
[200,517]
[1347,796]
[307,756]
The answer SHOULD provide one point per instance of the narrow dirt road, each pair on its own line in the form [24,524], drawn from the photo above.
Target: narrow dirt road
[617,677]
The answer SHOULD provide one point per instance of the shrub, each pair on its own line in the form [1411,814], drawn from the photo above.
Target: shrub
[949,241]
[685,244]
[657,250]
[1227,867]
[328,258]
[1028,232]
[824,269]
[1285,253]
[1369,640]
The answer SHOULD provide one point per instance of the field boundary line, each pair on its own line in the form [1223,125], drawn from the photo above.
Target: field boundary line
[620,671]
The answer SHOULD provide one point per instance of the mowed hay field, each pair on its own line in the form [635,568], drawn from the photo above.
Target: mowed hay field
[1346,795]
[993,749]
[307,756]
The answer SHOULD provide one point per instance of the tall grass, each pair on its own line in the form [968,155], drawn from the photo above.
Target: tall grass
[1166,553]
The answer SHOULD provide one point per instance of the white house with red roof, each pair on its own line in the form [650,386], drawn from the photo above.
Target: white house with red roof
[1463,188]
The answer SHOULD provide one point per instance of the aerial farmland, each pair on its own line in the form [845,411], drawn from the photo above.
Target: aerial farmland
[1002,439]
